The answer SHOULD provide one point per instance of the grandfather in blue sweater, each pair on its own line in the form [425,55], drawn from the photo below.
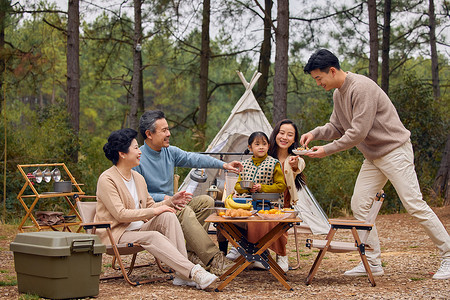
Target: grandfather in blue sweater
[158,160]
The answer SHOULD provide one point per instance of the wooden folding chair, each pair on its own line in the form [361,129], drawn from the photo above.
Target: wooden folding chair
[360,239]
[87,213]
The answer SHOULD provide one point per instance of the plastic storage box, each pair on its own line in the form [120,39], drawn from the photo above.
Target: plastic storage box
[58,265]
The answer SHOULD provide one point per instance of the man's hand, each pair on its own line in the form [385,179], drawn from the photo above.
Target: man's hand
[180,199]
[306,138]
[317,152]
[234,166]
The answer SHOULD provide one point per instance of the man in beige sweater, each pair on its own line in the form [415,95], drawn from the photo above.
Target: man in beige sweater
[364,117]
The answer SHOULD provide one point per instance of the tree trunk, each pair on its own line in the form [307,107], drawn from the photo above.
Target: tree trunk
[137,67]
[264,58]
[73,71]
[280,81]
[204,69]
[434,55]
[385,47]
[4,6]
[141,104]
[441,185]
[373,33]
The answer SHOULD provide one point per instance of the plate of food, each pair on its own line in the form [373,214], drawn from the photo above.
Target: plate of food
[238,217]
[275,214]
[301,150]
[236,214]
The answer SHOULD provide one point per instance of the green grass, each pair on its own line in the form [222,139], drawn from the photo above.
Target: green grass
[383,264]
[4,271]
[10,281]
[28,297]
[412,247]
[416,279]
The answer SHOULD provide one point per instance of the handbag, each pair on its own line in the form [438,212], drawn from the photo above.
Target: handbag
[49,218]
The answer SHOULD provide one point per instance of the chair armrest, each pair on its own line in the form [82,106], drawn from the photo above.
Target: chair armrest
[343,220]
[350,225]
[96,225]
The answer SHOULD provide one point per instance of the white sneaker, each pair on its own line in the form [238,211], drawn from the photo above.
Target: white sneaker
[444,270]
[257,265]
[180,281]
[282,261]
[359,270]
[233,254]
[202,278]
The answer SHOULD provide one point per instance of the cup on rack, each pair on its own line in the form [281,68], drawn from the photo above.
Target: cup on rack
[56,174]
[47,175]
[38,175]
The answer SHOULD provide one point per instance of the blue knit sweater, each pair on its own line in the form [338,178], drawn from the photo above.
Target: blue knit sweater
[158,167]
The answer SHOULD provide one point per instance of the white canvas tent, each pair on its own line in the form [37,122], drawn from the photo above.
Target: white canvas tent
[245,118]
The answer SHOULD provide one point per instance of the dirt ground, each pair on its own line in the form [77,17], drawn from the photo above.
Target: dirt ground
[409,257]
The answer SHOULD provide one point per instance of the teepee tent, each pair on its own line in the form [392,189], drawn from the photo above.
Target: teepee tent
[245,118]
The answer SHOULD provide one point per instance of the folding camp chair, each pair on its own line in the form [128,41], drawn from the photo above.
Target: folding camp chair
[360,239]
[314,219]
[87,213]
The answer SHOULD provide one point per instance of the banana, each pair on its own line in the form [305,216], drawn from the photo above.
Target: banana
[230,203]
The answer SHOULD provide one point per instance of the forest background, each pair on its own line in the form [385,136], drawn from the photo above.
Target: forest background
[182,56]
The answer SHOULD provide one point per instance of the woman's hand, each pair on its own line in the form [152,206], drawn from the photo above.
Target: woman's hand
[180,199]
[163,208]
[293,162]
[256,188]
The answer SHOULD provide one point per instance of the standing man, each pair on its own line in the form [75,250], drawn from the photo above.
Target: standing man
[158,160]
[364,117]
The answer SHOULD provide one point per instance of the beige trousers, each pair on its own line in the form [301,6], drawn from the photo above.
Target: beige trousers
[195,229]
[397,167]
[163,238]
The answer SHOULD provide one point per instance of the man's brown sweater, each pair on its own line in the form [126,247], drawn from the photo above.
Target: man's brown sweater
[363,116]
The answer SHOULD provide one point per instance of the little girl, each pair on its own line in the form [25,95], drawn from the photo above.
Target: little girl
[265,171]
[267,176]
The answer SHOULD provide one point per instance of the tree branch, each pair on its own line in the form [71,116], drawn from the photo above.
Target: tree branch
[327,16]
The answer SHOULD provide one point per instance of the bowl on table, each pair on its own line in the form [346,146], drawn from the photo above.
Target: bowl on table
[246,184]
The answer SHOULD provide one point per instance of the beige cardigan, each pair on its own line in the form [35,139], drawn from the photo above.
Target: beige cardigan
[289,176]
[115,203]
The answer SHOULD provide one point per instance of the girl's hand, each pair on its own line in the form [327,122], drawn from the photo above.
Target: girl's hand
[180,199]
[293,162]
[256,188]
[163,208]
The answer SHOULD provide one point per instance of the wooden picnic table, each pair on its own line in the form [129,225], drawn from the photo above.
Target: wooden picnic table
[251,252]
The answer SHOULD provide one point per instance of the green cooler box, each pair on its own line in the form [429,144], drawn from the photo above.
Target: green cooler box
[58,265]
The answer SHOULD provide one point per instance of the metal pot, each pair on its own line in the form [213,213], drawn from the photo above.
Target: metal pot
[199,175]
[266,196]
[62,186]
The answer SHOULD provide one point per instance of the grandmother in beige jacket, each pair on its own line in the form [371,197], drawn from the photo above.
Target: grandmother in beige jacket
[122,199]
